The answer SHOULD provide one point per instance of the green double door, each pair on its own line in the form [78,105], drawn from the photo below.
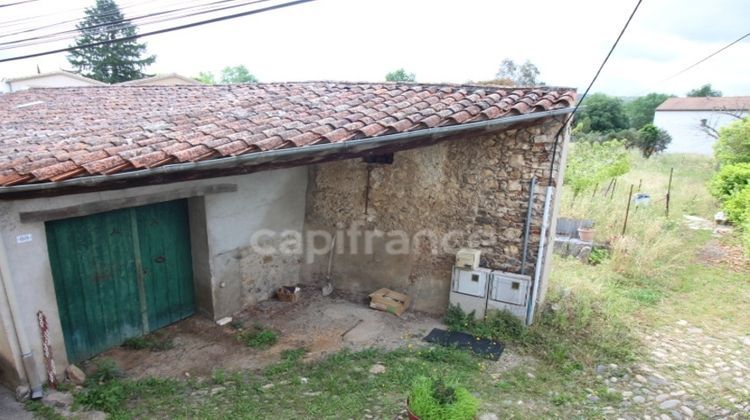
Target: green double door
[120,274]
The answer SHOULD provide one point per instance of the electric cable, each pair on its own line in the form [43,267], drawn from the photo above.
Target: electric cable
[159,31]
[586,92]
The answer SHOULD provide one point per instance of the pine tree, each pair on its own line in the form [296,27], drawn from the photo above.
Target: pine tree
[109,63]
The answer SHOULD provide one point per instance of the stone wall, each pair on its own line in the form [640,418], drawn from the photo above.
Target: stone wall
[470,192]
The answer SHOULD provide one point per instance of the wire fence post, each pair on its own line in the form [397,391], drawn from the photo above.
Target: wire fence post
[627,210]
[614,187]
[669,190]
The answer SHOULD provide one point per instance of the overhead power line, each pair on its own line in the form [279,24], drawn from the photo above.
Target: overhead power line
[160,31]
[16,3]
[586,92]
[118,24]
[56,14]
[37,28]
[706,58]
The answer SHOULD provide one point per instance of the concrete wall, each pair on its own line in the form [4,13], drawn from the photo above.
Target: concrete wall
[10,370]
[472,192]
[686,130]
[224,264]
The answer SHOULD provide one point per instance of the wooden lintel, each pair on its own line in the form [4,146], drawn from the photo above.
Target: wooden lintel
[86,209]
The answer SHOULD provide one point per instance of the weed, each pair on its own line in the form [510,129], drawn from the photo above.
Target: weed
[151,342]
[290,358]
[451,356]
[293,355]
[219,376]
[433,399]
[107,396]
[258,337]
[41,410]
[598,255]
[105,370]
[609,397]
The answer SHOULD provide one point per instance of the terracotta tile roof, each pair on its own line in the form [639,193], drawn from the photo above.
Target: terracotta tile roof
[57,134]
[725,103]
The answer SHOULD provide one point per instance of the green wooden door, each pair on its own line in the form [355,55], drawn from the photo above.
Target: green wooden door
[120,274]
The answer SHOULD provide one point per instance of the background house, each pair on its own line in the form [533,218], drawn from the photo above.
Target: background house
[63,78]
[48,80]
[170,79]
[125,209]
[691,121]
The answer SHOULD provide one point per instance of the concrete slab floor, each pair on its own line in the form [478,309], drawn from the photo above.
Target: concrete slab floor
[10,409]
[322,325]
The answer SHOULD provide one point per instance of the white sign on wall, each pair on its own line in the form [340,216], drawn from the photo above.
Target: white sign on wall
[22,239]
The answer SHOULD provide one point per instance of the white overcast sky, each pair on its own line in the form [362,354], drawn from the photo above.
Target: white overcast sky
[441,41]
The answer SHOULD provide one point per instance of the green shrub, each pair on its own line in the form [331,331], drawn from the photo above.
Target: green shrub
[651,139]
[458,320]
[737,207]
[591,163]
[435,400]
[729,180]
[733,145]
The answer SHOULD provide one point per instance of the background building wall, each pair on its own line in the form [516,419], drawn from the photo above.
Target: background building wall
[477,187]
[47,81]
[685,127]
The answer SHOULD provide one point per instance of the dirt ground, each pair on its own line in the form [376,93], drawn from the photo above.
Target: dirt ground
[322,325]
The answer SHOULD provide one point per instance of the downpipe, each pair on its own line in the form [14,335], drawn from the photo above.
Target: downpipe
[27,356]
[540,256]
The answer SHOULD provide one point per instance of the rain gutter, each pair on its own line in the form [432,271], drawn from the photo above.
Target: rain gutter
[281,155]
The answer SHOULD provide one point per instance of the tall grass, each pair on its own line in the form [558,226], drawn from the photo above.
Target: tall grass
[653,244]
[592,311]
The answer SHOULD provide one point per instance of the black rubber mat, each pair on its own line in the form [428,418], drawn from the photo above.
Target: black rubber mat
[481,346]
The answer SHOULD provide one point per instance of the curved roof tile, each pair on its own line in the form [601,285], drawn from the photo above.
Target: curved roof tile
[56,134]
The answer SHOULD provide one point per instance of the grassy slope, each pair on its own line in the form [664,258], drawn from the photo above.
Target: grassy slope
[652,278]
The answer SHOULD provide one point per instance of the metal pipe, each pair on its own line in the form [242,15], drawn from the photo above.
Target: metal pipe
[291,153]
[27,356]
[532,188]
[539,257]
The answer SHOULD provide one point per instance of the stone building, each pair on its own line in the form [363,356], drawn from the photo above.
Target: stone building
[125,209]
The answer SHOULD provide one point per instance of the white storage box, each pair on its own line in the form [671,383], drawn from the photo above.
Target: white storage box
[468,258]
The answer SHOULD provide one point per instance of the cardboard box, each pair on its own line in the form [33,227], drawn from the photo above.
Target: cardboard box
[389,301]
[288,293]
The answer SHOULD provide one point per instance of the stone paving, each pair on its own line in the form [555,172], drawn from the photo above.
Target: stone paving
[688,373]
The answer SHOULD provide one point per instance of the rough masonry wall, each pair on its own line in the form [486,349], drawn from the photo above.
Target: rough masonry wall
[476,189]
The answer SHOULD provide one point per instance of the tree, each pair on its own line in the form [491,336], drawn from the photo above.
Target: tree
[237,74]
[110,63]
[400,75]
[640,111]
[733,145]
[229,75]
[651,139]
[206,77]
[496,82]
[602,113]
[524,75]
[704,91]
